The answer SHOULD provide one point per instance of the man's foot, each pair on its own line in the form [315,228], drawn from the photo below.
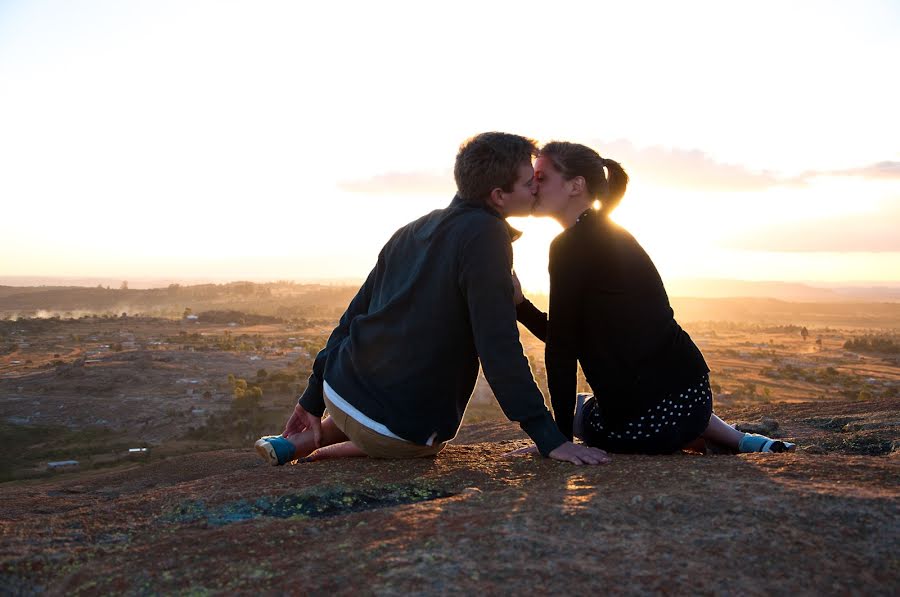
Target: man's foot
[275,449]
[761,443]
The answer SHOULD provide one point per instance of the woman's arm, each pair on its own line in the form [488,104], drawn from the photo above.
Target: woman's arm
[563,330]
[528,315]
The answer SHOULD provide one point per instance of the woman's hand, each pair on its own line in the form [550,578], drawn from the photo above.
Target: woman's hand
[517,289]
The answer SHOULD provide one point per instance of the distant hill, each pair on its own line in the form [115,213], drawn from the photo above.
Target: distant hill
[284,300]
[710,300]
[785,291]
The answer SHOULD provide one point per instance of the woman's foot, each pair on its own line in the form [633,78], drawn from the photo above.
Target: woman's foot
[760,443]
[578,421]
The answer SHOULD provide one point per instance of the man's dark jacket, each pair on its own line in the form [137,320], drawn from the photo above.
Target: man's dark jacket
[406,351]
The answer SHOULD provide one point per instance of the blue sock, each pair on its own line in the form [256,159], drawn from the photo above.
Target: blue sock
[283,448]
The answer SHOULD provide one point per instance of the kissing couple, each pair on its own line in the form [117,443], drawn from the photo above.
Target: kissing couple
[399,369]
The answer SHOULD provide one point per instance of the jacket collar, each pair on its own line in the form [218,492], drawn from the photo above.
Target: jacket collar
[458,201]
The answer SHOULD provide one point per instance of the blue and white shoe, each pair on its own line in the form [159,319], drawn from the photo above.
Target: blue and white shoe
[274,449]
[760,443]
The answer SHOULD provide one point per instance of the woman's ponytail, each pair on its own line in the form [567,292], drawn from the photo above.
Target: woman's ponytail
[616,182]
[606,179]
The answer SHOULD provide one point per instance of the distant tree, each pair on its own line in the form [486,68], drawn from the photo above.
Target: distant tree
[804,333]
[240,383]
[124,285]
[231,379]
[187,311]
[262,374]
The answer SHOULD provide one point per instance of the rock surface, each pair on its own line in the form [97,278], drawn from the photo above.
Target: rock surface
[474,521]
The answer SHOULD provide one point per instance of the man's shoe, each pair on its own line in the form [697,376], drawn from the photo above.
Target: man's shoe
[274,449]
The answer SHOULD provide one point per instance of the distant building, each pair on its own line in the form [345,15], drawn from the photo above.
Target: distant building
[62,465]
[138,452]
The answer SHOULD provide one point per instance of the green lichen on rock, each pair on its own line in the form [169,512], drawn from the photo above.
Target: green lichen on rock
[314,503]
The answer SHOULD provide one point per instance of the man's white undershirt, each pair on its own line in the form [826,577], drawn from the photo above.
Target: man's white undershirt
[357,416]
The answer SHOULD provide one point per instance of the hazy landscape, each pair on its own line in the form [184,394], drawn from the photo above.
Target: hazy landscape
[158,393]
[192,193]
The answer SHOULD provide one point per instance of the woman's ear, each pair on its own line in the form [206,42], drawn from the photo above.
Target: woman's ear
[579,185]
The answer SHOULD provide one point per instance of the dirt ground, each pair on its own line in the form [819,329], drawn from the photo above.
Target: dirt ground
[821,520]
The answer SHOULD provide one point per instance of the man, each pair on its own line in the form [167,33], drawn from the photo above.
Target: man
[397,373]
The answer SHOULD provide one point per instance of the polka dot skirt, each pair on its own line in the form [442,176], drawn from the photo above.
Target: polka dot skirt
[665,427]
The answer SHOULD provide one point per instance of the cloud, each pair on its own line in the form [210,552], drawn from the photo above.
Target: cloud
[874,232]
[675,168]
[881,170]
[403,183]
[694,169]
[687,169]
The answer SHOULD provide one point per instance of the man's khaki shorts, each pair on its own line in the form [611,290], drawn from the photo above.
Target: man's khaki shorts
[373,443]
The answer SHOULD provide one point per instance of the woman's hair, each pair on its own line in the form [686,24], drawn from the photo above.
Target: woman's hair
[572,159]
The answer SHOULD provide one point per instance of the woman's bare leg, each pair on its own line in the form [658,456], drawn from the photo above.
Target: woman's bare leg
[304,444]
[720,432]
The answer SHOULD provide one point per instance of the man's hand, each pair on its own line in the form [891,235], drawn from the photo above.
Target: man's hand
[569,452]
[578,454]
[301,421]
[532,449]
[517,288]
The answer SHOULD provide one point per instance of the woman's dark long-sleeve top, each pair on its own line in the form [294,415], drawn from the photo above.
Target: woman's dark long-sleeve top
[610,312]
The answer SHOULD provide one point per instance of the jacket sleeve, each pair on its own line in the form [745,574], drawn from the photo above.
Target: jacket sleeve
[561,354]
[311,399]
[485,266]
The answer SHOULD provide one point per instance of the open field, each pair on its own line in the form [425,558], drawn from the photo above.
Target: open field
[196,388]
[89,387]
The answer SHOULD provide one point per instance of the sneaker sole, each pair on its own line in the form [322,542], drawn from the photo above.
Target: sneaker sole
[265,449]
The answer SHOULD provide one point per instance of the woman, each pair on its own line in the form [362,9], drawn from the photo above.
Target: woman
[610,312]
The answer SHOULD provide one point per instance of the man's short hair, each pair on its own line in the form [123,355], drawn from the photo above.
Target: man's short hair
[489,161]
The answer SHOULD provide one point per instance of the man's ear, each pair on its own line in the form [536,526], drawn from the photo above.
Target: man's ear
[496,200]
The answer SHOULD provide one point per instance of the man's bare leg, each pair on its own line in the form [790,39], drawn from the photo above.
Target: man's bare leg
[342,450]
[304,445]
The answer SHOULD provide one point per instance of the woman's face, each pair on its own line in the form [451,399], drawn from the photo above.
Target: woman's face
[552,190]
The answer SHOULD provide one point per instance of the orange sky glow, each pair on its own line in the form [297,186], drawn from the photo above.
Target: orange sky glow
[283,140]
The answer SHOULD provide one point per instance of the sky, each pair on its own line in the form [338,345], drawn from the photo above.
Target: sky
[288,140]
